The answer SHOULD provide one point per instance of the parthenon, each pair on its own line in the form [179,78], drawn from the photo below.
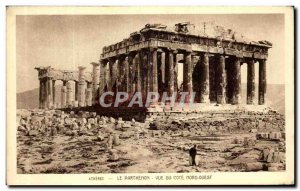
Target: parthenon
[148,61]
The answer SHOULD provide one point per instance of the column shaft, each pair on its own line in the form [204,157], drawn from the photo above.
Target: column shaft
[96,81]
[53,93]
[154,71]
[236,82]
[221,81]
[204,83]
[127,80]
[149,71]
[163,67]
[139,73]
[250,82]
[262,82]
[49,93]
[88,96]
[69,95]
[81,87]
[63,96]
[187,75]
[171,72]
[76,90]
[40,94]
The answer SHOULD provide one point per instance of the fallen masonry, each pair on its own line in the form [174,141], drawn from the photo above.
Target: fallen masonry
[54,141]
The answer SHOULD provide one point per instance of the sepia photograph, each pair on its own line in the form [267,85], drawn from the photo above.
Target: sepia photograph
[150,96]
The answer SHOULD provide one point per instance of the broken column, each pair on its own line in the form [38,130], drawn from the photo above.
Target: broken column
[236,98]
[250,82]
[262,84]
[204,83]
[81,87]
[96,81]
[69,101]
[221,81]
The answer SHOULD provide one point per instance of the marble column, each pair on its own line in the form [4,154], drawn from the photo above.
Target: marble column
[63,96]
[204,76]
[96,81]
[76,90]
[236,98]
[187,75]
[221,81]
[154,71]
[102,81]
[88,96]
[49,93]
[69,101]
[126,80]
[81,87]
[132,72]
[40,95]
[171,72]
[250,82]
[163,67]
[138,73]
[53,94]
[262,84]
[149,71]
[176,85]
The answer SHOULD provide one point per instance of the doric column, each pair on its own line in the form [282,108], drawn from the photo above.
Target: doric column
[236,98]
[81,87]
[126,80]
[107,75]
[88,96]
[102,81]
[171,72]
[221,81]
[204,76]
[250,82]
[53,94]
[138,73]
[113,63]
[154,71]
[176,88]
[76,90]
[41,94]
[96,81]
[262,84]
[69,95]
[132,72]
[149,71]
[163,67]
[63,96]
[49,93]
[187,75]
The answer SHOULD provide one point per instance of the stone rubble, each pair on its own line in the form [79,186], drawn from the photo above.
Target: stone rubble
[56,141]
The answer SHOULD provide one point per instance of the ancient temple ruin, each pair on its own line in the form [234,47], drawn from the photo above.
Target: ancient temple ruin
[148,61]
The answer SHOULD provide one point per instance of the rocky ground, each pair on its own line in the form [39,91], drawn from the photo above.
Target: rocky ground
[161,144]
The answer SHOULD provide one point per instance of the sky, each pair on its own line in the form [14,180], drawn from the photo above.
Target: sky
[66,42]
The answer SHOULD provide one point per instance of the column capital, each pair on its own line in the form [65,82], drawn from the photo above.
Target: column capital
[81,67]
[95,64]
[174,51]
